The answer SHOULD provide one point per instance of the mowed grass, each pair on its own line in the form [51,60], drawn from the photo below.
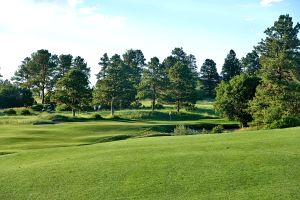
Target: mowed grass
[238,165]
[14,138]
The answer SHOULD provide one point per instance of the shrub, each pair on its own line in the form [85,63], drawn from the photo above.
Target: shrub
[159,106]
[25,112]
[97,116]
[136,105]
[37,107]
[218,129]
[183,130]
[285,122]
[10,112]
[63,107]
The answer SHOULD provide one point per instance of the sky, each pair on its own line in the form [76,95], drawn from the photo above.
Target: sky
[90,28]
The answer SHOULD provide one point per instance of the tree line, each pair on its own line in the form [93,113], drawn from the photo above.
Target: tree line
[122,80]
[262,87]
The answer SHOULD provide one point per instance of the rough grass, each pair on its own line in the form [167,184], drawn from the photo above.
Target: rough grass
[239,165]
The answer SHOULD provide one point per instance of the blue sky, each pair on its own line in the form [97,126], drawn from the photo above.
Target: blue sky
[89,28]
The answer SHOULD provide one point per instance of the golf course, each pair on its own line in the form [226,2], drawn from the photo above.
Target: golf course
[141,159]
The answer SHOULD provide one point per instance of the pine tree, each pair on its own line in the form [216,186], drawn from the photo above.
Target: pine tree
[152,83]
[209,76]
[231,67]
[277,100]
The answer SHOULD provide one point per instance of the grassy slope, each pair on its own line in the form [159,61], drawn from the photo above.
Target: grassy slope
[21,137]
[248,165]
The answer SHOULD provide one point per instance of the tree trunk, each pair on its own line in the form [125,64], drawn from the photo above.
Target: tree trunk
[153,102]
[178,106]
[73,112]
[112,110]
[43,94]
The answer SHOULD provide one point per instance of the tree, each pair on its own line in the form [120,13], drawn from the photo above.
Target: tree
[277,100]
[231,67]
[233,97]
[104,63]
[152,82]
[13,96]
[209,76]
[64,65]
[37,72]
[251,63]
[80,64]
[182,88]
[115,87]
[135,61]
[73,89]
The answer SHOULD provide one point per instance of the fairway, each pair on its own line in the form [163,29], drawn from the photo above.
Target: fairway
[238,165]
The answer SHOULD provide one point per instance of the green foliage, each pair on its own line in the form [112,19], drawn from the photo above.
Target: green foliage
[182,89]
[73,89]
[278,97]
[181,130]
[37,107]
[251,63]
[231,67]
[64,65]
[115,88]
[209,77]
[25,112]
[37,72]
[153,82]
[10,112]
[97,116]
[63,107]
[233,97]
[135,61]
[13,96]
[218,129]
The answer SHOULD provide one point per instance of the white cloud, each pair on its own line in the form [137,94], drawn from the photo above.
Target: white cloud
[266,3]
[70,27]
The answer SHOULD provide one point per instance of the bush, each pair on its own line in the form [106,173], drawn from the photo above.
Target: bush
[136,105]
[63,107]
[25,112]
[10,112]
[183,130]
[37,107]
[218,129]
[285,122]
[159,106]
[97,116]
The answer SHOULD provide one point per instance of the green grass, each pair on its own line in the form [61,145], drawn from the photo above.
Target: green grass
[85,158]
[239,165]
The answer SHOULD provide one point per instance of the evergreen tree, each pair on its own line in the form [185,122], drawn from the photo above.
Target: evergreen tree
[115,88]
[209,76]
[80,64]
[251,63]
[104,63]
[182,90]
[73,89]
[152,82]
[135,61]
[38,72]
[231,67]
[64,65]
[277,100]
